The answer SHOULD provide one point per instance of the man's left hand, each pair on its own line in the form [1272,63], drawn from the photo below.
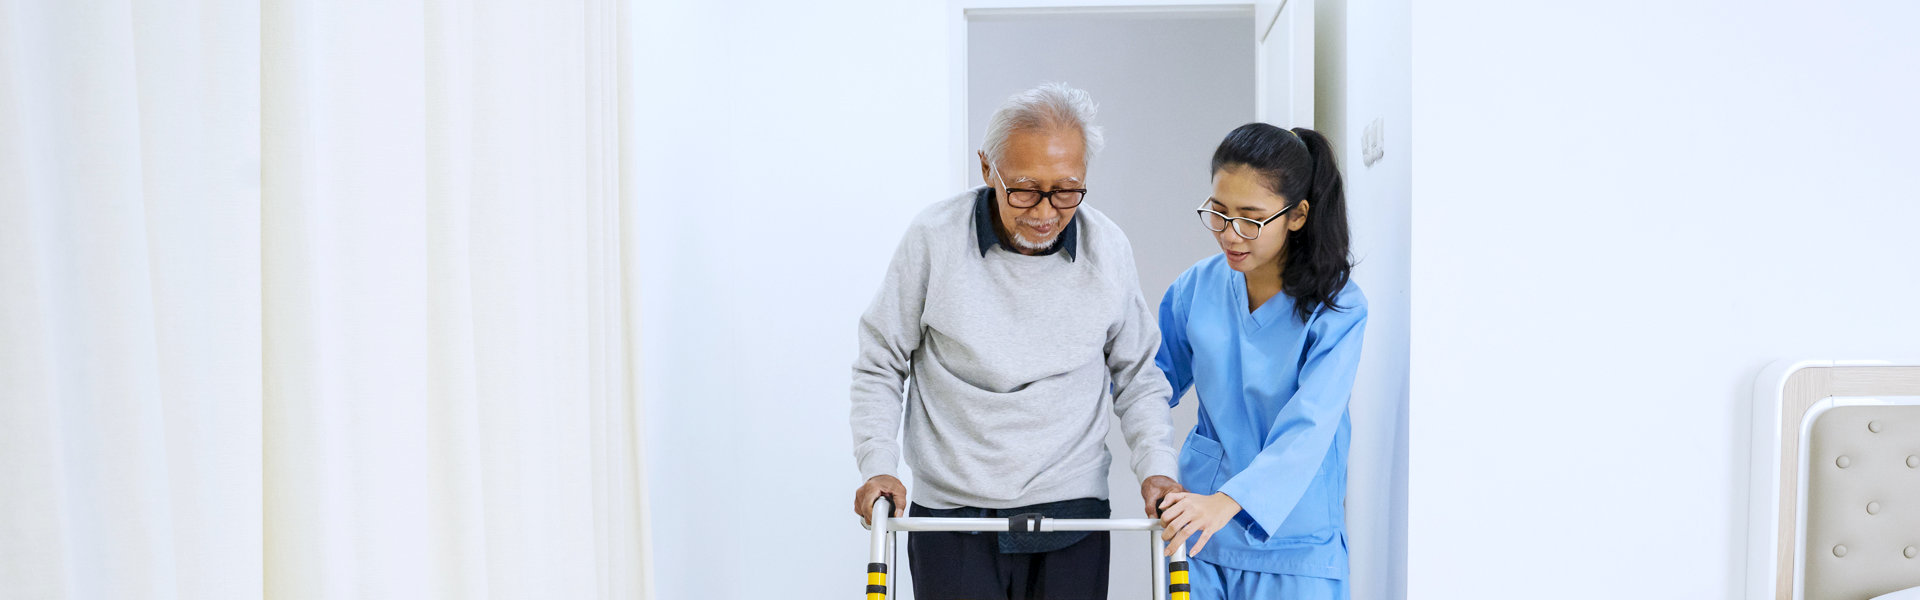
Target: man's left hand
[1156,488]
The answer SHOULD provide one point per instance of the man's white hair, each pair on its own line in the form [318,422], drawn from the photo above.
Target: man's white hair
[1052,106]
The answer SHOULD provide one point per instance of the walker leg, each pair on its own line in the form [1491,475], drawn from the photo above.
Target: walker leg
[893,556]
[877,559]
[1177,586]
[1159,548]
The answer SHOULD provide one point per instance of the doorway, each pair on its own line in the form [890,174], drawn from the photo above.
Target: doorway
[1170,83]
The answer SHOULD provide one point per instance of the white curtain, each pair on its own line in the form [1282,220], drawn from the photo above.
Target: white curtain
[307,299]
[129,301]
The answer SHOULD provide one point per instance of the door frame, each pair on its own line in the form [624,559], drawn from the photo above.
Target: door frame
[958,13]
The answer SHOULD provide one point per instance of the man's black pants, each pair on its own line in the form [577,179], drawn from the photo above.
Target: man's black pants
[971,566]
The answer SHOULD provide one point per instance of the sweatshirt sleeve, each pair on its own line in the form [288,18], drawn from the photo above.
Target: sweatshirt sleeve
[889,333]
[1140,390]
[1303,432]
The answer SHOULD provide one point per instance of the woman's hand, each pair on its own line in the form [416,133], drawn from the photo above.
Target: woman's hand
[1186,513]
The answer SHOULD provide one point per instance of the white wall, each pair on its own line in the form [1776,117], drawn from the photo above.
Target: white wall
[768,124]
[1170,85]
[1363,71]
[787,146]
[1624,212]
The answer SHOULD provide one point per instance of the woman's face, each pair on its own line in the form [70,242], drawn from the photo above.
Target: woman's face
[1239,191]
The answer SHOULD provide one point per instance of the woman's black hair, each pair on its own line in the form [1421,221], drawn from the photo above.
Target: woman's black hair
[1298,165]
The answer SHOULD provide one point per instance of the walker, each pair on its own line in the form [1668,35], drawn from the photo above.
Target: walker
[1169,576]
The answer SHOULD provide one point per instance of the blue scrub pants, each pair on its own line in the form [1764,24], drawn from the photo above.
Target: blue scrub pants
[1214,582]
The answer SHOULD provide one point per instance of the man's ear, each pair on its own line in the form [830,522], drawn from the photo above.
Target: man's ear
[986,171]
[1299,217]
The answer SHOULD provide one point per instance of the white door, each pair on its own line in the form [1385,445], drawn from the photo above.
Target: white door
[1283,66]
[1170,82]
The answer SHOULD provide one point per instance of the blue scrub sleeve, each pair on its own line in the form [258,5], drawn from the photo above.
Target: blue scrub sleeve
[1175,357]
[1303,432]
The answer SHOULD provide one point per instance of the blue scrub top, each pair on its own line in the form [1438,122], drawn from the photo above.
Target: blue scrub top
[1273,426]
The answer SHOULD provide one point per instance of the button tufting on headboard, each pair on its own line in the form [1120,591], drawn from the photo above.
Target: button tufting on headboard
[1809,490]
[1863,511]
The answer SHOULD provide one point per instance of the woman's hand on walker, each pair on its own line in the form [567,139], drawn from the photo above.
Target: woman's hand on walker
[1185,513]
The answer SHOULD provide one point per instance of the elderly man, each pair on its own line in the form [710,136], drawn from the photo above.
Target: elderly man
[1016,310]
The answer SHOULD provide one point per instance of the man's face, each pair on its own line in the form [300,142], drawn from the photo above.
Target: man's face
[1037,160]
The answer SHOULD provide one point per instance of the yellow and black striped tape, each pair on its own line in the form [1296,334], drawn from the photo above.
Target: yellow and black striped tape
[1177,586]
[876,581]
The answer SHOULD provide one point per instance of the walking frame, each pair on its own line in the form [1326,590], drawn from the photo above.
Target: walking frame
[1169,575]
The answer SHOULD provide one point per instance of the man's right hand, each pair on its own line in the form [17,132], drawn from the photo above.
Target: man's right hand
[880,485]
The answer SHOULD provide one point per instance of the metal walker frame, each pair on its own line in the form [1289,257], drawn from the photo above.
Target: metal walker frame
[1169,575]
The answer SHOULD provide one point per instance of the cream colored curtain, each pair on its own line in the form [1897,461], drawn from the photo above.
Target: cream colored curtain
[130,337]
[306,299]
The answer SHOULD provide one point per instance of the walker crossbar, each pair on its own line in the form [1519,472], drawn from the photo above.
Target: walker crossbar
[1169,575]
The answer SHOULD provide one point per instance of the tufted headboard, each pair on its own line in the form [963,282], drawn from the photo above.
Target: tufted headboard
[1862,496]
[1835,476]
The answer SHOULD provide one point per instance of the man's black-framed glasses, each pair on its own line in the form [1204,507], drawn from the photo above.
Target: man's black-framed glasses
[1217,222]
[1029,198]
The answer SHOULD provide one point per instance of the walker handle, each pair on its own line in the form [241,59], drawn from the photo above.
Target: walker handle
[882,507]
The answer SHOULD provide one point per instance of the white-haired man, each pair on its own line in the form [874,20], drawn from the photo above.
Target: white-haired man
[1016,310]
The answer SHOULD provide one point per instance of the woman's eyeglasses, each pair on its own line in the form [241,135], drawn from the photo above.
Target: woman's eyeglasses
[1242,226]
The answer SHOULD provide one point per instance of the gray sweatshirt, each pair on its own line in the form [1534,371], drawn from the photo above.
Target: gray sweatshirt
[1011,358]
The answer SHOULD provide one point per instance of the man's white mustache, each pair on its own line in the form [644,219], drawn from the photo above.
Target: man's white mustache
[1039,224]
